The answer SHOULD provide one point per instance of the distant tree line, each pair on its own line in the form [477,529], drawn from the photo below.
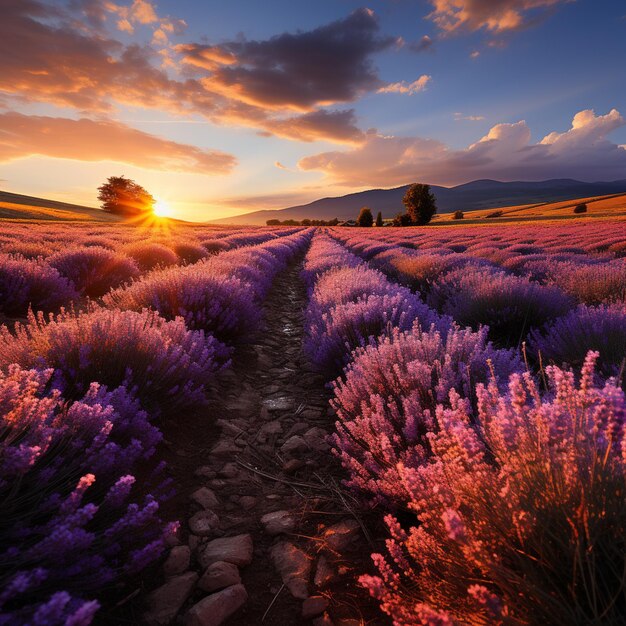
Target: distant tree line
[304,222]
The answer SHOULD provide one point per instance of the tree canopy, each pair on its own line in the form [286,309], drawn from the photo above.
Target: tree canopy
[123,196]
[365,217]
[420,203]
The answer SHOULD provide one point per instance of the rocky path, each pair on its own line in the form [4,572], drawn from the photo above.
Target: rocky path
[270,536]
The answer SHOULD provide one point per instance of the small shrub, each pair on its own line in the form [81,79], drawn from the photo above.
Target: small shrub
[190,252]
[458,215]
[94,270]
[494,214]
[150,255]
[32,283]
[567,339]
[580,208]
[509,305]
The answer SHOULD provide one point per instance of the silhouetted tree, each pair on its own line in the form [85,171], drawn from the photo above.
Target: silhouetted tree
[365,218]
[420,203]
[123,196]
[402,219]
[458,215]
[580,208]
[379,219]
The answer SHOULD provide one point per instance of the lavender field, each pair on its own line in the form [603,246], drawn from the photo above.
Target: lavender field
[205,425]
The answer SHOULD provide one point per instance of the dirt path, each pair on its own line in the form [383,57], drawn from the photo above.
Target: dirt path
[265,452]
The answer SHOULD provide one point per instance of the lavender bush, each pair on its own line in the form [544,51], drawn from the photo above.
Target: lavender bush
[31,283]
[386,400]
[521,517]
[73,523]
[567,339]
[509,305]
[94,270]
[163,363]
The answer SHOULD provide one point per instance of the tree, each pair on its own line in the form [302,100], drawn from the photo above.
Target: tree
[420,203]
[458,215]
[379,219]
[123,196]
[402,219]
[365,218]
[580,208]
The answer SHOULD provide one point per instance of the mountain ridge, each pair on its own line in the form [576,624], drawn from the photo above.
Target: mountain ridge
[476,194]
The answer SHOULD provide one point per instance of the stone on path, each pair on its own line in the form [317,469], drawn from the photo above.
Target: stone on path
[206,498]
[293,445]
[177,561]
[313,606]
[294,567]
[317,439]
[219,575]
[218,607]
[278,522]
[165,602]
[324,573]
[236,550]
[340,535]
[204,523]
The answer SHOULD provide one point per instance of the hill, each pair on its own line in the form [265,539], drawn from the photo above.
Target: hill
[19,207]
[476,195]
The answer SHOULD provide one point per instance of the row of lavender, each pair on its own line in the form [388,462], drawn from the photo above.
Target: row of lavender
[560,289]
[48,266]
[516,492]
[81,395]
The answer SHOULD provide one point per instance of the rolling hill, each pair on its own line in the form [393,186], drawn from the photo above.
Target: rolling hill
[473,196]
[19,207]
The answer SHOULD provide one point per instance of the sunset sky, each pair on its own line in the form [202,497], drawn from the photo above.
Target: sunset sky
[219,108]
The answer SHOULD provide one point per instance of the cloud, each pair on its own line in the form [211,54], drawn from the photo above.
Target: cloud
[459,117]
[298,71]
[496,17]
[103,140]
[66,62]
[61,64]
[424,44]
[340,126]
[505,153]
[407,88]
[280,166]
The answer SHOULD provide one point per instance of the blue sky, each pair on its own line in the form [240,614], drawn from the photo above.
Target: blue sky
[214,109]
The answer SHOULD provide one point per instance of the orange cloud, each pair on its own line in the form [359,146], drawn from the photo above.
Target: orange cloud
[63,64]
[497,17]
[407,88]
[504,153]
[103,140]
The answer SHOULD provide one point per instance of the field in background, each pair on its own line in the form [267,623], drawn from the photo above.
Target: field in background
[612,206]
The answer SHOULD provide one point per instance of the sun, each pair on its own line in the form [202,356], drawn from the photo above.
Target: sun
[162,209]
